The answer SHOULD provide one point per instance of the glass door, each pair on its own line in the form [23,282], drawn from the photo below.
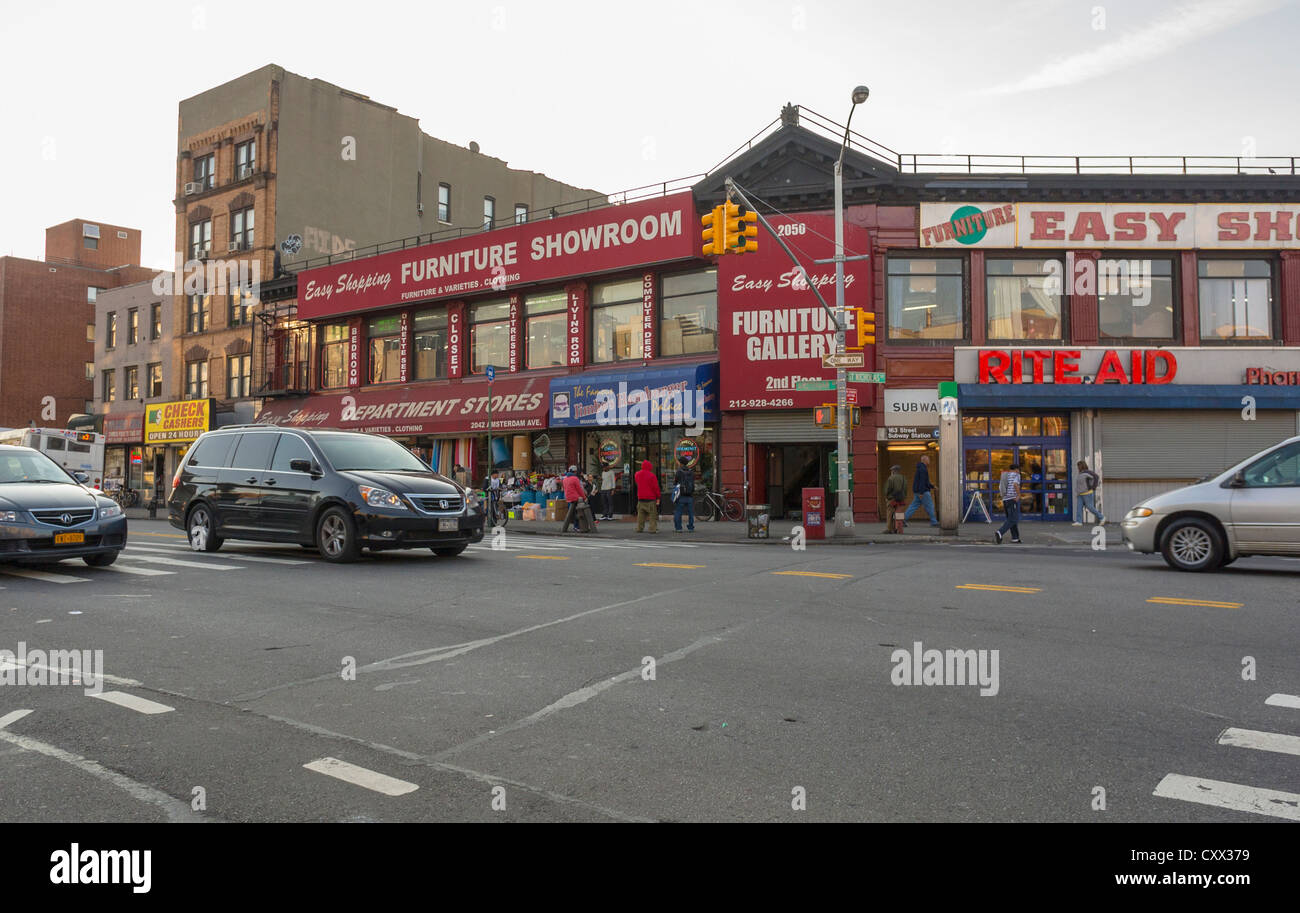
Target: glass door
[1056,483]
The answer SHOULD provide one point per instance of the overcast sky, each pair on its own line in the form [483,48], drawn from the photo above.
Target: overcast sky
[615,95]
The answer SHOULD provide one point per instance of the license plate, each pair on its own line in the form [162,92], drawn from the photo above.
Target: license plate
[69,538]
[448,526]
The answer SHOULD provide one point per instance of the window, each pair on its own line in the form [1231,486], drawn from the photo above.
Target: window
[1236,299]
[489,212]
[1135,299]
[1280,469]
[291,447]
[547,328]
[239,376]
[254,450]
[132,326]
[334,355]
[90,373]
[155,380]
[92,293]
[430,344]
[110,330]
[155,320]
[90,332]
[241,306]
[54,443]
[444,202]
[688,321]
[132,385]
[241,228]
[213,450]
[245,159]
[925,299]
[205,170]
[617,321]
[200,239]
[90,243]
[110,385]
[196,378]
[521,213]
[1024,299]
[489,335]
[198,313]
[385,335]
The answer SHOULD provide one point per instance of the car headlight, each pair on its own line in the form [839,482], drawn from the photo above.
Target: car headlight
[378,497]
[11,516]
[109,510]
[471,500]
[1139,512]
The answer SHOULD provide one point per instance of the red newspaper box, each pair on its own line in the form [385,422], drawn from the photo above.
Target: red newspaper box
[814,513]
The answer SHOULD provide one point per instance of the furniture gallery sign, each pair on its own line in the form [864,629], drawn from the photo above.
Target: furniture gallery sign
[611,238]
[773,332]
[1092,225]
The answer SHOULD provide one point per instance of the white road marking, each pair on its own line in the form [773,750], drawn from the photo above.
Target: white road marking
[13,717]
[1231,796]
[42,575]
[131,702]
[1284,700]
[139,571]
[360,776]
[176,562]
[239,556]
[1263,741]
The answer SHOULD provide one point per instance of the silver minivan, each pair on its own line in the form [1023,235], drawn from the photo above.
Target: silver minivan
[1252,508]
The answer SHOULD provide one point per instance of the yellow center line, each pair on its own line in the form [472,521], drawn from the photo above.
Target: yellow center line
[655,564]
[998,589]
[545,557]
[813,574]
[1173,600]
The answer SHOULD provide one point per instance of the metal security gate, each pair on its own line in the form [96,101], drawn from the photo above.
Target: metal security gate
[1185,444]
[785,428]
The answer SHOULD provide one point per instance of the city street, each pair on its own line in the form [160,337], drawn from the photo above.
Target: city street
[653,678]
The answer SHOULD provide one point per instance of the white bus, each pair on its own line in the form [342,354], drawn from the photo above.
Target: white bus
[75,451]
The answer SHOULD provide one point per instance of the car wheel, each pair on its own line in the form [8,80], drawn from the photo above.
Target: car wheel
[450,551]
[1192,544]
[336,536]
[103,559]
[201,530]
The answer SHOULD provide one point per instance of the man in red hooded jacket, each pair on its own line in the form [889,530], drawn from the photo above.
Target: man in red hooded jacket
[647,498]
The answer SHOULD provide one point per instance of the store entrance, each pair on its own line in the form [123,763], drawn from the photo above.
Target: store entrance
[906,455]
[1039,445]
[790,469]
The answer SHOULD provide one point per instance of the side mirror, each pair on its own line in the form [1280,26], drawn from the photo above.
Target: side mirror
[81,477]
[300,465]
[1239,479]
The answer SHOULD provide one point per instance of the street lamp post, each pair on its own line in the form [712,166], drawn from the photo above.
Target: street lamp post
[844,499]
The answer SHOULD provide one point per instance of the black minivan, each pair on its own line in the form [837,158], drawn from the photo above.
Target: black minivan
[336,491]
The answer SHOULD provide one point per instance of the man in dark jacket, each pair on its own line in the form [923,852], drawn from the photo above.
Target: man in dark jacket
[684,482]
[921,489]
[647,498]
[895,496]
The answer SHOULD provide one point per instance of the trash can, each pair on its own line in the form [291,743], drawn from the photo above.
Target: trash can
[757,516]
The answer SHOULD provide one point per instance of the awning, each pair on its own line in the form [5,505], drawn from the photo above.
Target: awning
[1125,396]
[433,408]
[124,429]
[672,395]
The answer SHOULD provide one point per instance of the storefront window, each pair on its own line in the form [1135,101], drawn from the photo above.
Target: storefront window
[1029,425]
[688,321]
[489,335]
[1236,299]
[1002,426]
[617,321]
[925,299]
[974,425]
[1135,299]
[334,355]
[547,329]
[1024,299]
[431,344]
[385,335]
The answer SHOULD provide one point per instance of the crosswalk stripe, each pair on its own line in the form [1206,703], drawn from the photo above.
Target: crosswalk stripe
[237,556]
[1234,796]
[42,575]
[176,562]
[12,717]
[1263,741]
[360,776]
[138,571]
[1284,700]
[131,702]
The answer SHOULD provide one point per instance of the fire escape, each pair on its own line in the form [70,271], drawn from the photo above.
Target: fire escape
[284,363]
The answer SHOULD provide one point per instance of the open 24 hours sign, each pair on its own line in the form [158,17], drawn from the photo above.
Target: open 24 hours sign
[177,422]
[773,332]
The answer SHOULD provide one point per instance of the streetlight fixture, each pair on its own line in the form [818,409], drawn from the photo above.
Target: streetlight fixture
[844,499]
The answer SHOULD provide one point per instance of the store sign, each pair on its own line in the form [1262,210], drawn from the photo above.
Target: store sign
[124,429]
[455,323]
[1062,366]
[1173,366]
[1093,225]
[911,407]
[182,421]
[517,405]
[907,433]
[354,353]
[648,316]
[610,452]
[685,395]
[577,321]
[773,332]
[602,240]
[1260,376]
[514,334]
[689,450]
[404,348]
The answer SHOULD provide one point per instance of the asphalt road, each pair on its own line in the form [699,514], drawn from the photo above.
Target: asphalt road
[516,685]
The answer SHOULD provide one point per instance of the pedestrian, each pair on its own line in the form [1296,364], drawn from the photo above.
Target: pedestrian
[895,496]
[647,498]
[684,485]
[607,492]
[574,494]
[1085,486]
[1009,489]
[921,489]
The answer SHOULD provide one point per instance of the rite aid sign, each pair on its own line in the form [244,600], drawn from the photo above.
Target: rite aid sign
[1139,366]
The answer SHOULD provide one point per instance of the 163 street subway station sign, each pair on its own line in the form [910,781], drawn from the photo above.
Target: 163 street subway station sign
[773,332]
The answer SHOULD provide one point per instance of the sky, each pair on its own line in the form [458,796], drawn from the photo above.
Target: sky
[615,95]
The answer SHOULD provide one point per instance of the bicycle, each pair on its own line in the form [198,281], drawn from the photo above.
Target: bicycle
[495,512]
[718,505]
[125,497]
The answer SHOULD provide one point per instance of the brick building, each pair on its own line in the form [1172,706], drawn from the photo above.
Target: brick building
[47,319]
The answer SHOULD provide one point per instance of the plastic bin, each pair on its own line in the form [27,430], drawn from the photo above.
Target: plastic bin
[757,517]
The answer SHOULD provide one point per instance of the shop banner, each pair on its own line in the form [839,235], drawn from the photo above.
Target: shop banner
[577,322]
[772,330]
[611,238]
[455,323]
[404,348]
[648,286]
[1170,226]
[1176,365]
[354,352]
[178,422]
[517,404]
[124,429]
[684,395]
[515,307]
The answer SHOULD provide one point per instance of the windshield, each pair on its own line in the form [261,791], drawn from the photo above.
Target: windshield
[364,451]
[29,466]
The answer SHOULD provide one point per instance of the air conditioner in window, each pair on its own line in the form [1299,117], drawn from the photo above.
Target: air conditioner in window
[243,171]
[202,253]
[193,187]
[234,245]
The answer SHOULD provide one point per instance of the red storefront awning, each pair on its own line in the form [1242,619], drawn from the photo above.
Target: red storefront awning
[124,429]
[518,404]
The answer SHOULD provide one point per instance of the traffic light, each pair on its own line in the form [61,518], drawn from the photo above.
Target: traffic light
[747,228]
[866,327]
[731,226]
[713,234]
